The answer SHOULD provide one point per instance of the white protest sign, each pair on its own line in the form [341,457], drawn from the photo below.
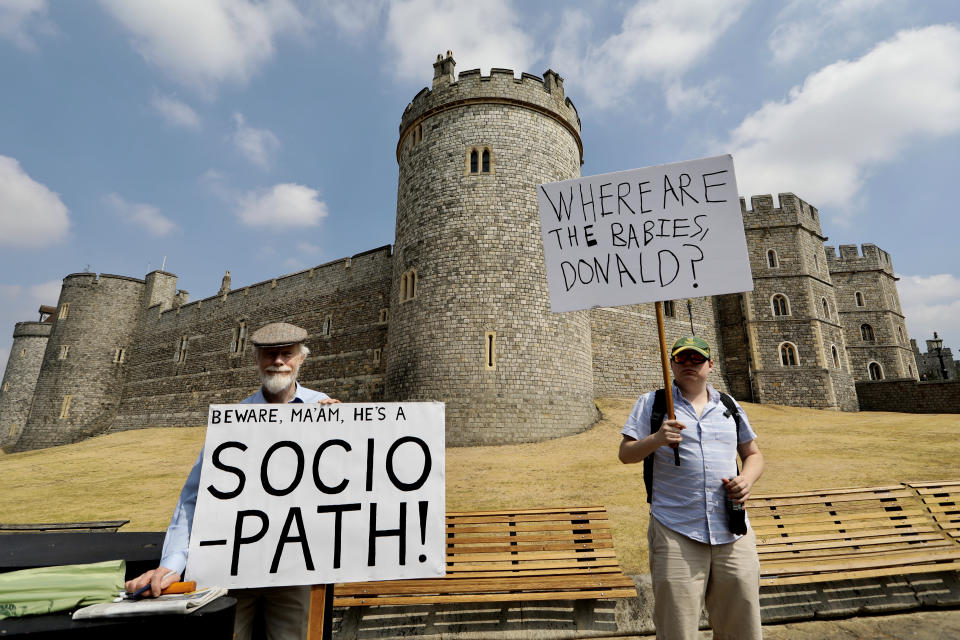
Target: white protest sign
[658,233]
[309,494]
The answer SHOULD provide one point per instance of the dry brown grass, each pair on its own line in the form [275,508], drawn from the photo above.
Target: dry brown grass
[137,475]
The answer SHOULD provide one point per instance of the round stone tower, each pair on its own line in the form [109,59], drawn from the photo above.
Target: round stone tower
[81,378]
[20,378]
[470,320]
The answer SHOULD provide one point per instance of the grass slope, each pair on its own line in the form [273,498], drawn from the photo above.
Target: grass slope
[137,475]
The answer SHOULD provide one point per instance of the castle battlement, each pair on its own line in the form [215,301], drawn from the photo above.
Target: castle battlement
[792,211]
[37,329]
[327,274]
[470,87]
[872,258]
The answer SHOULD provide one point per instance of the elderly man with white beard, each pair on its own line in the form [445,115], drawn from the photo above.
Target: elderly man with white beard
[279,350]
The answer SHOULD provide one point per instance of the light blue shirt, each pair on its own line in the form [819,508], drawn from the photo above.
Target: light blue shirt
[176,543]
[689,499]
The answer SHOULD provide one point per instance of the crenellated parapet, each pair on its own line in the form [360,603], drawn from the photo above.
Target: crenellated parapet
[544,95]
[793,211]
[851,259]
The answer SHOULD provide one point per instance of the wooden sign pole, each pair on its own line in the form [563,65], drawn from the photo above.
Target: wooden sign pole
[665,363]
[320,625]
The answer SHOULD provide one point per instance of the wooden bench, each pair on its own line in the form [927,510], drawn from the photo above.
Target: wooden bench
[520,555]
[942,500]
[60,527]
[842,534]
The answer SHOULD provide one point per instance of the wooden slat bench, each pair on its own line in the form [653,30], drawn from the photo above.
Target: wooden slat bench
[522,555]
[842,534]
[942,500]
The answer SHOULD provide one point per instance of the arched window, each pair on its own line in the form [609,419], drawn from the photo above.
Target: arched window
[859,298]
[326,326]
[836,356]
[788,355]
[239,338]
[772,261]
[474,161]
[826,308]
[669,309]
[866,332]
[485,162]
[781,306]
[876,373]
[408,285]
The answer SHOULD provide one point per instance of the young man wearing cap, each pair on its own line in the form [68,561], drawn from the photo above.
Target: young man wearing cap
[694,557]
[279,350]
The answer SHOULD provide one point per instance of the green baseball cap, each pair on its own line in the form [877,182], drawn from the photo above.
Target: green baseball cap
[691,343]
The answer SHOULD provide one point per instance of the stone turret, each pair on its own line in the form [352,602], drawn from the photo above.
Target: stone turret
[470,319]
[83,371]
[791,330]
[873,320]
[20,378]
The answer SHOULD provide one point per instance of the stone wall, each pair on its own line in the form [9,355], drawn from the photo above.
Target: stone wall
[346,356]
[909,396]
[626,345]
[20,378]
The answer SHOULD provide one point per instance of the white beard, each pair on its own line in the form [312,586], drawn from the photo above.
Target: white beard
[275,383]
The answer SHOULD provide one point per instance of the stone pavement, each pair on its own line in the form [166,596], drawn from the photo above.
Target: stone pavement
[920,625]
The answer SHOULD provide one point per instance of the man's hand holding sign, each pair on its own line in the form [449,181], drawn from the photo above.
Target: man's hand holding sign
[648,235]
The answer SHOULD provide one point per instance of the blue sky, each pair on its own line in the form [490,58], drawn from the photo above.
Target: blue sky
[259,136]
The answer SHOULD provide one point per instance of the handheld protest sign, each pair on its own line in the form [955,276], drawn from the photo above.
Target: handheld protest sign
[298,494]
[645,235]
[658,233]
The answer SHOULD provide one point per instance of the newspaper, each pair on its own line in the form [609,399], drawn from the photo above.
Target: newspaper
[178,603]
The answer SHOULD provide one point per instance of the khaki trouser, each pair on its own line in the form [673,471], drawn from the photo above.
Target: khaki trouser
[686,572]
[286,612]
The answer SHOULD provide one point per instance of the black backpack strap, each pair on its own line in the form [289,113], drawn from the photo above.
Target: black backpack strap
[732,410]
[657,415]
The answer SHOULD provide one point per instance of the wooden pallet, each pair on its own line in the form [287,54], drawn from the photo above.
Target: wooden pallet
[520,555]
[841,534]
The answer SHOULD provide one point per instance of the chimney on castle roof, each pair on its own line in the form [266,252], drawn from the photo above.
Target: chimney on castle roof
[443,70]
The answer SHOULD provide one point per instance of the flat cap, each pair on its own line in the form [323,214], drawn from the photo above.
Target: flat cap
[278,334]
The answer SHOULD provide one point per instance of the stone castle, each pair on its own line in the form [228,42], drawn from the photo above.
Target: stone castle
[457,309]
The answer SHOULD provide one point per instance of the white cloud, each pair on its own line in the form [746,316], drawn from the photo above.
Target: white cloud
[146,216]
[31,215]
[806,28]
[349,16]
[686,99]
[283,205]
[176,112]
[480,34]
[202,44]
[932,303]
[257,145]
[658,42]
[848,117]
[21,20]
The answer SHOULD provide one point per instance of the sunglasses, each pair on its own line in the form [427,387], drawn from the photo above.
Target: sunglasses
[689,357]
